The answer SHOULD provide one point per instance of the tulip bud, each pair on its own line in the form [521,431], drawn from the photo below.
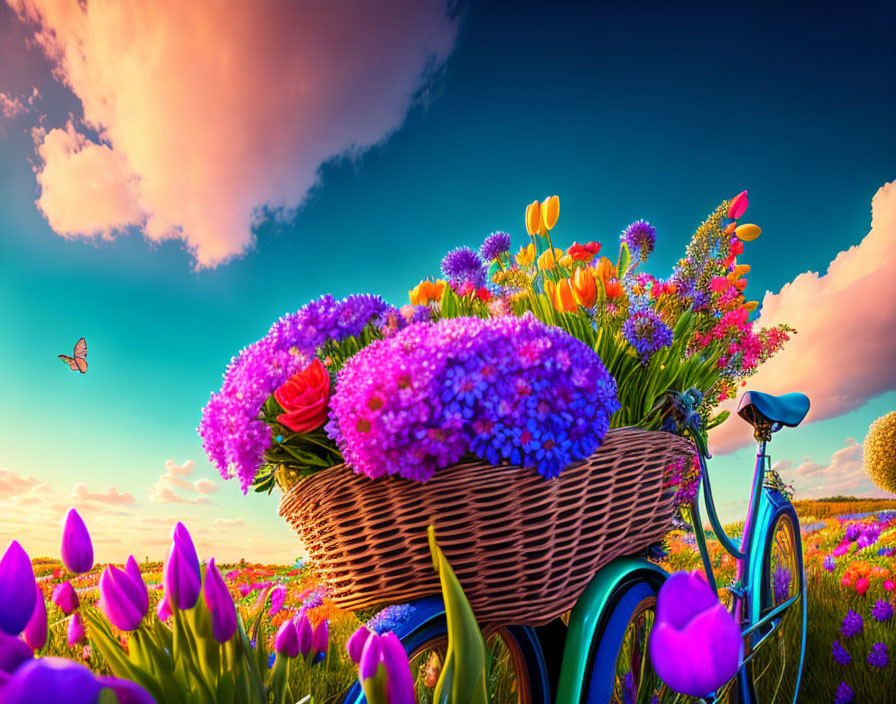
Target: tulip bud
[121,599]
[75,630]
[304,633]
[286,642]
[13,652]
[533,218]
[356,643]
[220,604]
[65,597]
[55,679]
[182,578]
[77,548]
[738,205]
[564,301]
[126,692]
[36,631]
[372,671]
[550,211]
[730,228]
[526,255]
[585,288]
[133,570]
[320,638]
[163,609]
[747,233]
[751,305]
[400,683]
[549,258]
[17,588]
[741,270]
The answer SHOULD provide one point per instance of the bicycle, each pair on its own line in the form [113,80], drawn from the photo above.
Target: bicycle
[603,640]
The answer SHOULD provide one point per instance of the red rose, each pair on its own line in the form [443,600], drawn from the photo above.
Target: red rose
[304,399]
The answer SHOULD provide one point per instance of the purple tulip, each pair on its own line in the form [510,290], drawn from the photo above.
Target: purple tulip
[304,633]
[399,682]
[65,597]
[220,604]
[183,581]
[133,570]
[77,548]
[122,598]
[17,588]
[52,680]
[36,631]
[127,692]
[320,638]
[163,609]
[356,643]
[13,652]
[75,631]
[695,645]
[286,642]
[371,658]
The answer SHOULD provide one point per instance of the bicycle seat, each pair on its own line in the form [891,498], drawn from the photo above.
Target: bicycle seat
[789,409]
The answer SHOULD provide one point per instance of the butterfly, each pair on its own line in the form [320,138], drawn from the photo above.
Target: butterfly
[78,363]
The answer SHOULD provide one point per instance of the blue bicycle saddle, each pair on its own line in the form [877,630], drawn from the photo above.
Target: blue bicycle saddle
[789,409]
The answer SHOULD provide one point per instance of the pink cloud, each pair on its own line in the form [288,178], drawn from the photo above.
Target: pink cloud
[12,484]
[844,350]
[843,475]
[10,107]
[162,492]
[208,111]
[109,495]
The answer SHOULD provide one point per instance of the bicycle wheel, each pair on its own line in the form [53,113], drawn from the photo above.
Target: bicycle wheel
[621,672]
[778,648]
[515,675]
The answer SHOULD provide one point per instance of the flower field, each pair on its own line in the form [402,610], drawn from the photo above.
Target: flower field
[850,558]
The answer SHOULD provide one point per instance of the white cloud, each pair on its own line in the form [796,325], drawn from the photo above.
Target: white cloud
[175,477]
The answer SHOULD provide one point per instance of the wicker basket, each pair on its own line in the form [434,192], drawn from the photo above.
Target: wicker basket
[524,548]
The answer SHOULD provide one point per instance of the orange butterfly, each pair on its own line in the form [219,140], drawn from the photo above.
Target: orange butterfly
[78,363]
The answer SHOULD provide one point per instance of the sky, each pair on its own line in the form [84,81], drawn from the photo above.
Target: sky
[175,177]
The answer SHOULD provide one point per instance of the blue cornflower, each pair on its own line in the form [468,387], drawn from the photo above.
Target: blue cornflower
[852,624]
[390,618]
[882,610]
[840,654]
[878,656]
[844,694]
[830,564]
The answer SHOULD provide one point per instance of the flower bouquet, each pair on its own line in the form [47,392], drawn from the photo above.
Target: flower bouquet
[524,403]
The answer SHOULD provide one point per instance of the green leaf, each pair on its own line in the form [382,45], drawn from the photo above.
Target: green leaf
[717,420]
[625,258]
[463,679]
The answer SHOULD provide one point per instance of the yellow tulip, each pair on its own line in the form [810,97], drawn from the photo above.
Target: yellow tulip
[584,286]
[526,255]
[740,270]
[550,211]
[748,233]
[548,258]
[566,261]
[533,218]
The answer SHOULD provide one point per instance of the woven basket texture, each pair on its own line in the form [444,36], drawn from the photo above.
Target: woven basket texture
[523,548]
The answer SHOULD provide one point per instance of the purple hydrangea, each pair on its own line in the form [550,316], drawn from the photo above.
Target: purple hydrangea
[646,333]
[494,246]
[781,580]
[463,265]
[830,564]
[852,624]
[640,237]
[233,436]
[840,654]
[390,618]
[510,389]
[844,694]
[882,610]
[878,656]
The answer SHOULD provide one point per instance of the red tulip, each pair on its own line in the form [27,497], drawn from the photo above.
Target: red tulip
[738,205]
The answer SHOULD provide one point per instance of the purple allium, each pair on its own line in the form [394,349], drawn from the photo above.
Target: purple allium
[640,237]
[878,656]
[840,654]
[494,246]
[882,610]
[314,599]
[390,619]
[510,389]
[781,579]
[844,694]
[463,265]
[852,624]
[830,564]
[233,436]
[646,333]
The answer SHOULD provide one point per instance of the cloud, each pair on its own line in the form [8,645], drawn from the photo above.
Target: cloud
[204,113]
[229,522]
[110,495]
[843,475]
[162,492]
[13,106]
[844,350]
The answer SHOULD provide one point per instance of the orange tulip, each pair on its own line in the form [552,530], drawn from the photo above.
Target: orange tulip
[426,291]
[526,255]
[730,228]
[550,211]
[747,233]
[584,286]
[533,218]
[563,297]
[613,288]
[751,305]
[605,270]
[549,258]
[740,270]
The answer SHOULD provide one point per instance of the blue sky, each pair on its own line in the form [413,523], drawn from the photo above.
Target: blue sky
[647,111]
